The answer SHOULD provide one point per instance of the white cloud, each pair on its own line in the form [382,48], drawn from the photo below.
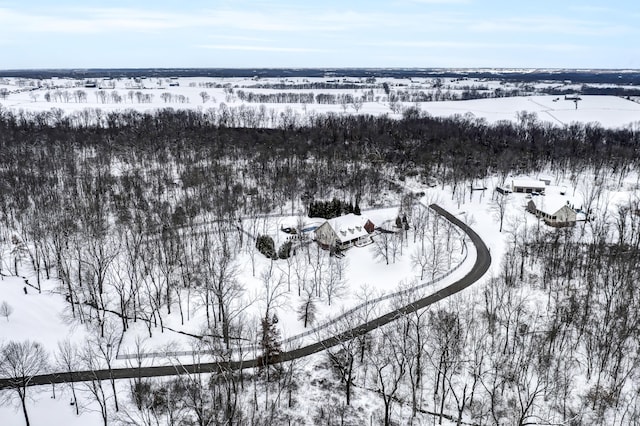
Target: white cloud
[303,20]
[593,9]
[441,1]
[549,25]
[559,47]
[376,32]
[87,22]
[256,48]
[241,38]
[99,20]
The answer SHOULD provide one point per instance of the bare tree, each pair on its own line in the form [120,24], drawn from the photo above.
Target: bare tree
[100,255]
[67,359]
[395,246]
[357,103]
[499,207]
[6,309]
[18,251]
[390,367]
[344,103]
[420,217]
[89,361]
[205,96]
[274,289]
[221,288]
[365,295]
[334,280]
[420,260]
[435,249]
[318,262]
[342,356]
[300,270]
[382,246]
[20,362]
[104,349]
[446,333]
[307,310]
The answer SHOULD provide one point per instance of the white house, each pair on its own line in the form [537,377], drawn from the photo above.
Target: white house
[344,231]
[555,211]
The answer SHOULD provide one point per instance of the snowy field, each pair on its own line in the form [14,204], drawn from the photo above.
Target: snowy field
[608,111]
[151,94]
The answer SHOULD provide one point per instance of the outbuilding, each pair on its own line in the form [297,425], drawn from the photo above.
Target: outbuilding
[527,186]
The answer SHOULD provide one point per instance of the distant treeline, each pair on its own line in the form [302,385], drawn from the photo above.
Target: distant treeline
[592,90]
[525,75]
[318,85]
[399,95]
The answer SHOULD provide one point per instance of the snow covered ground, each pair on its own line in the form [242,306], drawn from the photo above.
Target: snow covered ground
[608,111]
[209,93]
[41,317]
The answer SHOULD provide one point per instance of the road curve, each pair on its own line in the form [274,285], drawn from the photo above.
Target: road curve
[483,261]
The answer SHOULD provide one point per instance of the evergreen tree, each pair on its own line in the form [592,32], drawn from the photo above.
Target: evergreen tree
[284,252]
[270,345]
[405,222]
[335,209]
[266,246]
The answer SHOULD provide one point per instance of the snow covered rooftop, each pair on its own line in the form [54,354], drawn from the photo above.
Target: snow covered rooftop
[349,226]
[554,201]
[527,183]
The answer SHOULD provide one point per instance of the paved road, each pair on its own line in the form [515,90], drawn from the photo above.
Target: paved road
[483,261]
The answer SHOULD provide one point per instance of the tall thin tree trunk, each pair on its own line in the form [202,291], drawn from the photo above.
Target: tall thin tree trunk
[23,398]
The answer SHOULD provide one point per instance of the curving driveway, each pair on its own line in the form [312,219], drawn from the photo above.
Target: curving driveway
[483,261]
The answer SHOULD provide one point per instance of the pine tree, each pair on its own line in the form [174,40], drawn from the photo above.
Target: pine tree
[398,222]
[349,208]
[270,345]
[284,252]
[266,246]
[335,209]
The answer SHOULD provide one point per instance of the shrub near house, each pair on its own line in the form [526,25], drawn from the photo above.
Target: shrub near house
[266,246]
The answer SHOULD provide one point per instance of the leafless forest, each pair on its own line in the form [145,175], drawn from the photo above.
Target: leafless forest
[136,215]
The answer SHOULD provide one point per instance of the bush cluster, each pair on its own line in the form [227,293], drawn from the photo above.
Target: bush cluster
[265,245]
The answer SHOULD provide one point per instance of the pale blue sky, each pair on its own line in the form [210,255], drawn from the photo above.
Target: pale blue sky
[332,33]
